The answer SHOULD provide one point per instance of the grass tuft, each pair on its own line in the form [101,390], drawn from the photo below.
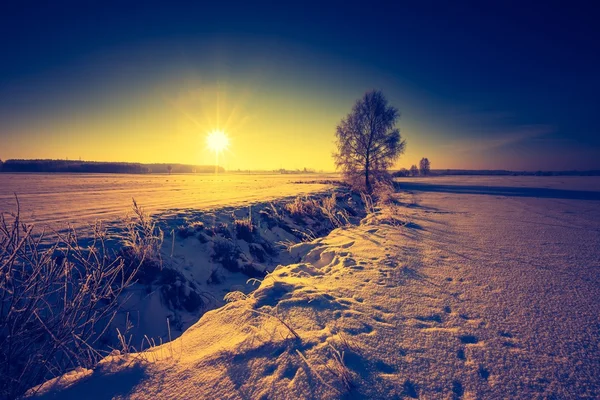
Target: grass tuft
[244,229]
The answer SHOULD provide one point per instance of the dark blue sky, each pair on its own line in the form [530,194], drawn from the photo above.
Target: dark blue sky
[510,84]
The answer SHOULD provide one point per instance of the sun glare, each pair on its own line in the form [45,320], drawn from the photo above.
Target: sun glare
[217,141]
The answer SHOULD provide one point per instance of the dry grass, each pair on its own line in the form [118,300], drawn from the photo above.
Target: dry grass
[328,208]
[142,241]
[244,229]
[384,191]
[368,202]
[338,368]
[56,302]
[302,207]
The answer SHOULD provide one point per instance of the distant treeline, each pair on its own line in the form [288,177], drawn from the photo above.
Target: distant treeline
[102,167]
[499,172]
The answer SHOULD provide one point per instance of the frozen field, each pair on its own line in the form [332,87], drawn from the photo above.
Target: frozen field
[559,187]
[468,288]
[56,199]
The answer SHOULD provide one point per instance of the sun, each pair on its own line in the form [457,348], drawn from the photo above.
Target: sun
[217,141]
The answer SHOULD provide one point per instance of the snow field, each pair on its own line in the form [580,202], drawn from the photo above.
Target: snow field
[443,295]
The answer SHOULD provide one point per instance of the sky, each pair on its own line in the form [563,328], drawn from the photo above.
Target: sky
[479,85]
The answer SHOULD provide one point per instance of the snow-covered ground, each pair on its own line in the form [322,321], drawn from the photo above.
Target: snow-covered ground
[81,199]
[462,290]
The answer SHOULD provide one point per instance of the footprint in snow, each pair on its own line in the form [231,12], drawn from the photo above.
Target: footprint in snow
[349,262]
[385,368]
[469,339]
[430,318]
[410,389]
[483,372]
[457,390]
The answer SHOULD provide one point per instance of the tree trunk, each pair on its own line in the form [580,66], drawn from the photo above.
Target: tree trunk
[367,183]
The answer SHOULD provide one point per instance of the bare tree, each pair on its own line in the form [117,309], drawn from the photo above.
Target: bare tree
[368,141]
[425,166]
[414,171]
[169,169]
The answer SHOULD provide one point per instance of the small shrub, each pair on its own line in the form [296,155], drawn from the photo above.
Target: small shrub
[368,202]
[244,229]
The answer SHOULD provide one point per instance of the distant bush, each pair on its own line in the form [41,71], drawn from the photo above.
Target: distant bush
[73,166]
[56,303]
[401,173]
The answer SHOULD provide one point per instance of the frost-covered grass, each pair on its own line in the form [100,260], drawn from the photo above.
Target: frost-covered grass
[56,301]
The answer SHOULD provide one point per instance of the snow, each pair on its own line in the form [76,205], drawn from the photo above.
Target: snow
[81,199]
[446,294]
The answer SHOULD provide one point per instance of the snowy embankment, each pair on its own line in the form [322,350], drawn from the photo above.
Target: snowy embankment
[441,296]
[206,254]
